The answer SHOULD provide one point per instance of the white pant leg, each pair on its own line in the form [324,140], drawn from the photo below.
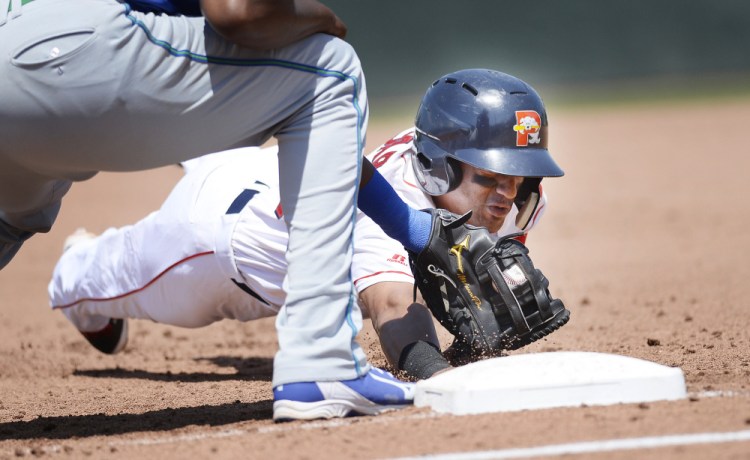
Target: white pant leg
[96,280]
[168,267]
[188,295]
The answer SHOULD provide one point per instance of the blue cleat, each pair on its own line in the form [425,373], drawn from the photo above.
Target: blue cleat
[377,391]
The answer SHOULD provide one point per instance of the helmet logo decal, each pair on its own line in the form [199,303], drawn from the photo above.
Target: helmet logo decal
[528,124]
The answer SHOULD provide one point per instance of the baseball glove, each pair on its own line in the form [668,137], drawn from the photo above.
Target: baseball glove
[487,293]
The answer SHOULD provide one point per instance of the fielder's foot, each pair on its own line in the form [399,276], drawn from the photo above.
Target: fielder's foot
[378,391]
[112,339]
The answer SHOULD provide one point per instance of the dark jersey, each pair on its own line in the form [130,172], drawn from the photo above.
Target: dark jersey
[170,7]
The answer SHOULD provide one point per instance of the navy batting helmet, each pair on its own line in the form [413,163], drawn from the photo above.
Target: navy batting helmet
[487,119]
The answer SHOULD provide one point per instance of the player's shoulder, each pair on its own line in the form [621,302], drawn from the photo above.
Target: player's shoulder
[399,143]
[402,140]
[391,153]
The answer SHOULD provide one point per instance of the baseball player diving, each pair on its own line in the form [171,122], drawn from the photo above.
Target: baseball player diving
[217,247]
[103,85]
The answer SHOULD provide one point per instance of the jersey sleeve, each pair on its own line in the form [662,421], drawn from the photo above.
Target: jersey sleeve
[378,258]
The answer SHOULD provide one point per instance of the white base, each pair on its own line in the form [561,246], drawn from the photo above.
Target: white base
[544,380]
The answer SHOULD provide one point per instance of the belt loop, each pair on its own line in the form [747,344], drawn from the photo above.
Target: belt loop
[4,8]
[9,8]
[15,8]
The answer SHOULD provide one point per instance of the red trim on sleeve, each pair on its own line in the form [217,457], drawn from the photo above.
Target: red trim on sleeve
[536,214]
[135,290]
[380,273]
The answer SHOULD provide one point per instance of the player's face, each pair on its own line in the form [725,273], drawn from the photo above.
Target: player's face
[489,195]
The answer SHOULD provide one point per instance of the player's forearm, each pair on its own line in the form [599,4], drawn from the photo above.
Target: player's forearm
[398,321]
[269,24]
[398,332]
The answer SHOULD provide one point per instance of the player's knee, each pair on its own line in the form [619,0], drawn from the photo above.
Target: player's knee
[344,79]
[340,56]
[347,54]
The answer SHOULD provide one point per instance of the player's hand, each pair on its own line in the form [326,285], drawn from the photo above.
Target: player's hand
[270,24]
[338,29]
[329,23]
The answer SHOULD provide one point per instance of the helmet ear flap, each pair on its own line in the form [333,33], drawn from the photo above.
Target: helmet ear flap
[527,200]
[424,161]
[455,173]
[436,172]
[422,164]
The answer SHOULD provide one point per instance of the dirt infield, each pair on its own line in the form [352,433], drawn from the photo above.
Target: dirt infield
[646,240]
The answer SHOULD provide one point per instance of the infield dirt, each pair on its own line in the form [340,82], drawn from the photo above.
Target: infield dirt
[645,239]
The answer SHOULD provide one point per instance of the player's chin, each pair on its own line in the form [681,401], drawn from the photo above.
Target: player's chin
[494,217]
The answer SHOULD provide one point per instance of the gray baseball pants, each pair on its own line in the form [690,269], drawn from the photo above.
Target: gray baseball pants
[88,86]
